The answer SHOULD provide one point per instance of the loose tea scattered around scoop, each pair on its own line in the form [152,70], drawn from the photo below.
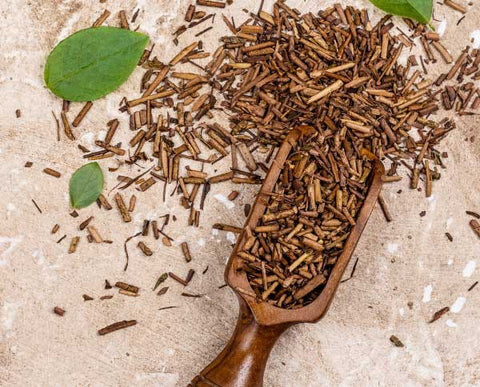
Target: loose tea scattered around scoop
[334,70]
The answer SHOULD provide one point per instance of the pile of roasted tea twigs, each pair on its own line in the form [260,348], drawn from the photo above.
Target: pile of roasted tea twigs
[291,252]
[335,71]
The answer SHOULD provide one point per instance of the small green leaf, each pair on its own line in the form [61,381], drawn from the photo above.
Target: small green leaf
[86,185]
[93,62]
[419,10]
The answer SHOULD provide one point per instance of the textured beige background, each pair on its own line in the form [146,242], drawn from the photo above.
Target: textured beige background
[398,262]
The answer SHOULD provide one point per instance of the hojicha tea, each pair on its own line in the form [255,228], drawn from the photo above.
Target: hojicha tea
[290,253]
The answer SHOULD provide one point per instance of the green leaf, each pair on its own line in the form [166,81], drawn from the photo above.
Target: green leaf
[86,185]
[419,10]
[93,62]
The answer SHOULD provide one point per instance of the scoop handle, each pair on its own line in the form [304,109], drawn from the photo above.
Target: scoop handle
[242,362]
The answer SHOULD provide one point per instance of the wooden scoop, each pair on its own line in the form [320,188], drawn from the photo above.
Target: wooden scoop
[242,362]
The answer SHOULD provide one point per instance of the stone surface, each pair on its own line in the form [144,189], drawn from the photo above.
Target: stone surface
[406,261]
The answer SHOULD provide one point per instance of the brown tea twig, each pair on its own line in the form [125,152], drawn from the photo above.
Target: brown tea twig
[352,272]
[475,226]
[384,208]
[116,326]
[439,314]
[126,250]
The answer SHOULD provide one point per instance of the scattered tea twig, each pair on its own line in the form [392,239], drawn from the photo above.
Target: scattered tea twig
[59,311]
[168,307]
[101,18]
[184,294]
[475,225]
[186,251]
[145,249]
[36,206]
[473,286]
[122,208]
[126,250]
[81,115]
[162,291]
[57,123]
[474,214]
[160,280]
[116,326]
[73,244]
[177,278]
[354,268]
[52,172]
[455,6]
[439,314]
[85,223]
[127,287]
[396,341]
[384,208]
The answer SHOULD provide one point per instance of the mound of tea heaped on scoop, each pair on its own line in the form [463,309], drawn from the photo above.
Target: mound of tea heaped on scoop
[295,245]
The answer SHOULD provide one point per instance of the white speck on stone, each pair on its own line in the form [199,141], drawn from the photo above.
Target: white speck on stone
[402,312]
[88,138]
[7,245]
[392,247]
[38,255]
[431,209]
[451,323]
[450,262]
[469,269]
[214,231]
[442,27]
[427,293]
[201,242]
[101,135]
[231,237]
[9,313]
[155,379]
[152,214]
[10,208]
[449,222]
[475,36]
[170,352]
[222,199]
[48,269]
[150,25]
[69,26]
[458,305]
[402,60]
[111,106]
